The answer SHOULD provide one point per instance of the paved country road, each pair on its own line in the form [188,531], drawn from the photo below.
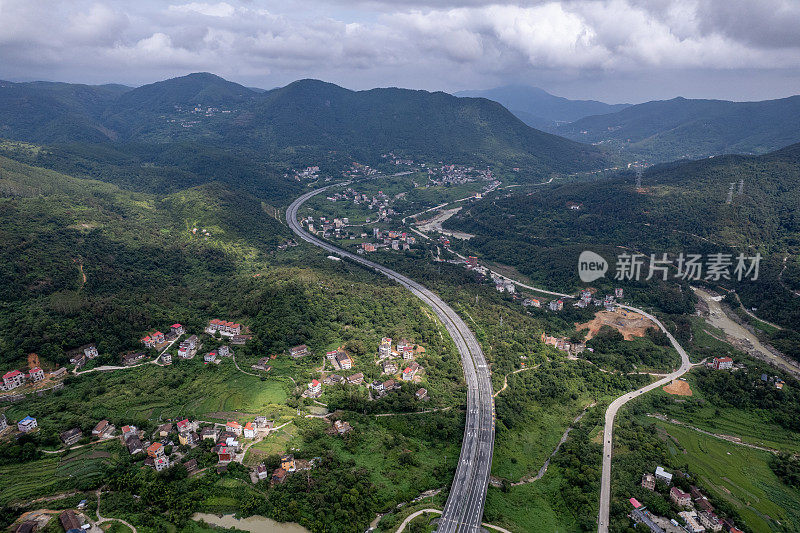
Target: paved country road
[611,413]
[464,508]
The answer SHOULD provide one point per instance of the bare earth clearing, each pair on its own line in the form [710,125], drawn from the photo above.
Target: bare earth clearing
[628,323]
[678,388]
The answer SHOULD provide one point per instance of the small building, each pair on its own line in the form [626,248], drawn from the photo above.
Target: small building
[288,463]
[234,427]
[90,351]
[356,379]
[262,422]
[225,454]
[649,481]
[421,394]
[210,357]
[36,374]
[315,388]
[390,385]
[680,498]
[344,361]
[296,352]
[249,431]
[27,424]
[13,379]
[157,337]
[3,422]
[342,427]
[663,475]
[385,349]
[183,425]
[129,431]
[69,521]
[692,524]
[155,450]
[164,429]
[161,463]
[722,363]
[556,305]
[166,358]
[177,329]
[71,436]
[262,472]
[224,351]
[390,367]
[618,292]
[209,434]
[710,521]
[134,445]
[279,476]
[190,465]
[28,526]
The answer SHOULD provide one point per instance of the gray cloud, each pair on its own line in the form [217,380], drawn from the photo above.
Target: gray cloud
[447,44]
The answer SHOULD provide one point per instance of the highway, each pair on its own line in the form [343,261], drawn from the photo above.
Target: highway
[611,413]
[463,510]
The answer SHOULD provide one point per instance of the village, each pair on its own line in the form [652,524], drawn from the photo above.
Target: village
[693,508]
[396,362]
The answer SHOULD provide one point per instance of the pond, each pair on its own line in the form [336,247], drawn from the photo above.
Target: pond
[254,524]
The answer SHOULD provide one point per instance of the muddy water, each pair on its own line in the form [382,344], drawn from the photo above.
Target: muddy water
[717,318]
[254,524]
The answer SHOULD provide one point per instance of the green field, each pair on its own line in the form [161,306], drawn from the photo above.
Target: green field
[55,473]
[739,475]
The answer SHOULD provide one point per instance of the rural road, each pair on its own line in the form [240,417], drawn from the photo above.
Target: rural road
[611,413]
[464,507]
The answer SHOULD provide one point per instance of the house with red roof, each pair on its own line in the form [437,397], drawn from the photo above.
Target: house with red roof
[183,425]
[234,427]
[314,388]
[13,379]
[225,454]
[249,431]
[177,329]
[148,341]
[155,450]
[722,363]
[36,374]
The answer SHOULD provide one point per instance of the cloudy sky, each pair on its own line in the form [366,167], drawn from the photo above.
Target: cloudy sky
[613,50]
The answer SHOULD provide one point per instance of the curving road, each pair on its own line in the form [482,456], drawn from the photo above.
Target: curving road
[611,413]
[464,508]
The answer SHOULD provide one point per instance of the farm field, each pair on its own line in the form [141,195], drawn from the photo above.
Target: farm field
[739,475]
[55,473]
[751,425]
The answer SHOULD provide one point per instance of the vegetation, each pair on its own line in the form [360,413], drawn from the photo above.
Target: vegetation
[691,129]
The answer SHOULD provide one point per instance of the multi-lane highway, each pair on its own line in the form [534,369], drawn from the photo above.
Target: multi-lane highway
[464,507]
[611,413]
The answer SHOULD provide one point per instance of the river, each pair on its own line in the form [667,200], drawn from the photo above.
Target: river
[254,524]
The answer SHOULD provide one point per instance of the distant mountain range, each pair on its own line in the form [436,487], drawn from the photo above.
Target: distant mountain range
[540,109]
[307,115]
[690,129]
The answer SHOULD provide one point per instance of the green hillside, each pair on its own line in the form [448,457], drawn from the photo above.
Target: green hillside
[688,129]
[307,116]
[681,207]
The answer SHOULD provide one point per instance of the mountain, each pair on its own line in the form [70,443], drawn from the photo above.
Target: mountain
[305,117]
[681,128]
[420,123]
[200,88]
[540,109]
[54,112]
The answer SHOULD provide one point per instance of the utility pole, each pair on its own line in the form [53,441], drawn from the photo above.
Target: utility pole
[741,186]
[639,171]
[729,199]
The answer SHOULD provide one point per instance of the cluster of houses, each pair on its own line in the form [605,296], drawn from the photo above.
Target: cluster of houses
[564,344]
[697,512]
[726,363]
[288,466]
[608,301]
[404,349]
[79,356]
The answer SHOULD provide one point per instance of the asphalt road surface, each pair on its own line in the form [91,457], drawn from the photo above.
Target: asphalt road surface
[464,508]
[611,413]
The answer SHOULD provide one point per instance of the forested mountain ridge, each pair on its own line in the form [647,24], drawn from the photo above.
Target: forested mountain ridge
[681,207]
[540,109]
[306,115]
[687,129]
